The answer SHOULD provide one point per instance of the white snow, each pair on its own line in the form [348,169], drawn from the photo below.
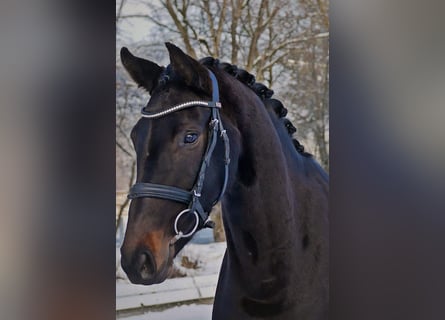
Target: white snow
[209,258]
[184,312]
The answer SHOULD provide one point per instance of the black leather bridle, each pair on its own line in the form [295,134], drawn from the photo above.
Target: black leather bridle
[192,197]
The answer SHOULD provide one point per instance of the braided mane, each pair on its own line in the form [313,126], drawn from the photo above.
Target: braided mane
[261,91]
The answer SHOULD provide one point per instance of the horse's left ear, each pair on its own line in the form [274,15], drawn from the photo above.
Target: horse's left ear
[191,71]
[145,73]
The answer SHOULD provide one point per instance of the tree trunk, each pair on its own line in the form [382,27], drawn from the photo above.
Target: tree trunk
[218,230]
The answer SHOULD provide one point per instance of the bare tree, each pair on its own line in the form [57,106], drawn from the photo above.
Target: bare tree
[120,6]
[309,81]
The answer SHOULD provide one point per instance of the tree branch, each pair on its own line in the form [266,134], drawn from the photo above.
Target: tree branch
[146,16]
[119,11]
[124,150]
[182,28]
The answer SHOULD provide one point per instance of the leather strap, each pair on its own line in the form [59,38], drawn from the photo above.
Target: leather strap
[152,190]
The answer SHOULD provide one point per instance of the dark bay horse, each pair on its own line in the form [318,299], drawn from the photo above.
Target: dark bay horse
[205,136]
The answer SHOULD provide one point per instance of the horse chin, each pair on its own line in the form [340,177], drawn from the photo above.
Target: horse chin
[161,276]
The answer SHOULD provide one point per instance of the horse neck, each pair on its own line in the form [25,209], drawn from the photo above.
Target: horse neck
[275,199]
[261,209]
[261,188]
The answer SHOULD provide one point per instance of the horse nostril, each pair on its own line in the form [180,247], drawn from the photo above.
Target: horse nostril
[146,265]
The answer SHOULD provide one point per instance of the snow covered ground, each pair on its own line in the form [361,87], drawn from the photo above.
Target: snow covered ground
[184,312]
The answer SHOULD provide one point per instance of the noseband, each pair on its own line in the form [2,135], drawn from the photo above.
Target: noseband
[191,198]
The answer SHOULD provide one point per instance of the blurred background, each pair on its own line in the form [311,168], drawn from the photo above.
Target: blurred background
[58,154]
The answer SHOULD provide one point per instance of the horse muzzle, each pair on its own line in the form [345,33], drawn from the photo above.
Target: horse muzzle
[142,267]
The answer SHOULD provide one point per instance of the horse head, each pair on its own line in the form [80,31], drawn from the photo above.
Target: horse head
[175,141]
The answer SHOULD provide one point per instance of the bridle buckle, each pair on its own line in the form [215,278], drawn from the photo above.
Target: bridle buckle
[196,193]
[213,123]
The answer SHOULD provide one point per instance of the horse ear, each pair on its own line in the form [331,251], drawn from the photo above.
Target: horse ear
[191,71]
[143,72]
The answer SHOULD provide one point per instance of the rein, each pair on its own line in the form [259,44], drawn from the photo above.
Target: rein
[192,197]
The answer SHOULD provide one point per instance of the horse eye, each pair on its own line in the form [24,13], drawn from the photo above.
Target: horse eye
[190,137]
